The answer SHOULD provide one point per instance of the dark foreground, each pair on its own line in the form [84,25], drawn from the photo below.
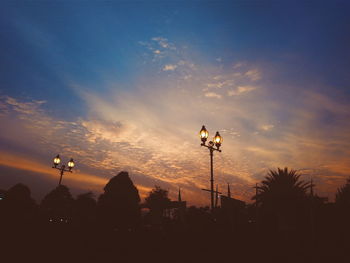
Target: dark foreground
[67,243]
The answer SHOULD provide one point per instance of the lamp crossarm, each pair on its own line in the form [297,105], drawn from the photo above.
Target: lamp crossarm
[62,169]
[211,148]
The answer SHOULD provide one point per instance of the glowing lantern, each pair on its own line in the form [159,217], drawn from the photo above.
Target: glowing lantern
[218,139]
[203,134]
[56,160]
[71,164]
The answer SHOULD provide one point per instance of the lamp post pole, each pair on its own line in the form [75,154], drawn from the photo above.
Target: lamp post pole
[62,168]
[217,142]
[211,178]
[61,173]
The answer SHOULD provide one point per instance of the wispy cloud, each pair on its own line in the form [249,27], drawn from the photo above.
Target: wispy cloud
[151,129]
[253,74]
[164,43]
[212,95]
[169,67]
[240,90]
[267,127]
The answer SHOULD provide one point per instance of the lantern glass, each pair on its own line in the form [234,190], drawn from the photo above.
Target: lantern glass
[203,133]
[218,138]
[57,160]
[71,164]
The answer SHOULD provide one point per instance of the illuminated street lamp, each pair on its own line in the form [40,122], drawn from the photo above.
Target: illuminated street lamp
[62,168]
[217,141]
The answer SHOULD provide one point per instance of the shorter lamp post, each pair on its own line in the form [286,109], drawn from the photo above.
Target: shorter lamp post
[62,168]
[217,143]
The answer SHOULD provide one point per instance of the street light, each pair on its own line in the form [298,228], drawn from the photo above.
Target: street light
[62,168]
[217,141]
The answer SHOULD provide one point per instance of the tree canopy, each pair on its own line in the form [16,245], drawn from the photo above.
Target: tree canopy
[342,196]
[58,204]
[118,206]
[18,204]
[280,188]
[84,211]
[157,199]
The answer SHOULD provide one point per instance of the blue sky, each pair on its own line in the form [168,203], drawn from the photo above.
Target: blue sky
[124,85]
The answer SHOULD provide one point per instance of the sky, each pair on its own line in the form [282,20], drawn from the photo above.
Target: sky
[127,85]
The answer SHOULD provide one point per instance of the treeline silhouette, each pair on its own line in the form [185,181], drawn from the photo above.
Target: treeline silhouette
[287,222]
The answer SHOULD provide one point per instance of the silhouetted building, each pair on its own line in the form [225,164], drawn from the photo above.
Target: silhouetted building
[232,211]
[231,203]
[177,209]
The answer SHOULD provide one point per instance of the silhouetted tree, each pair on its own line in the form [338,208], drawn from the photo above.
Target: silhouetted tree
[57,205]
[157,201]
[342,201]
[118,206]
[17,222]
[342,197]
[282,197]
[17,205]
[281,187]
[84,211]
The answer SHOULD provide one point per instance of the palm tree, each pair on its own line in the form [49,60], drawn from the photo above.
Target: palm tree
[282,199]
[342,196]
[281,187]
[342,201]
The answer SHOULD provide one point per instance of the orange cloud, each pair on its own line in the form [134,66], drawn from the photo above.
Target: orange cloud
[23,163]
[76,178]
[151,130]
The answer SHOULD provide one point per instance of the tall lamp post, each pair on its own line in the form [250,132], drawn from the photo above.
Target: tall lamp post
[217,141]
[62,168]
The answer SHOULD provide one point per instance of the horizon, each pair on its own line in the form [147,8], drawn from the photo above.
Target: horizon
[127,86]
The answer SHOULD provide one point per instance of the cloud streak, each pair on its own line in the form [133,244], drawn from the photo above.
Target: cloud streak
[151,130]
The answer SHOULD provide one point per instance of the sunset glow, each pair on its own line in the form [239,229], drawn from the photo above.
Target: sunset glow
[128,89]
